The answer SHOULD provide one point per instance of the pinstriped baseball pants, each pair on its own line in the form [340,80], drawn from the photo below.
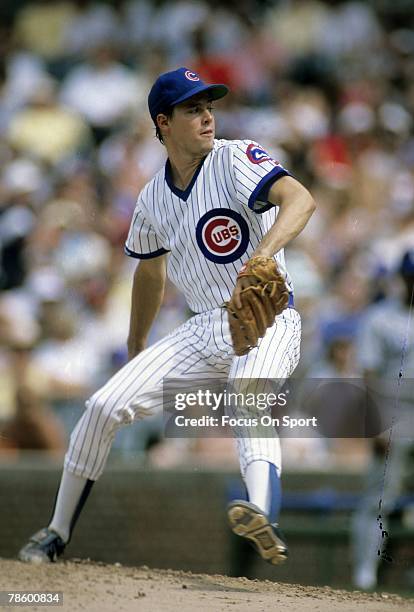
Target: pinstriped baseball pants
[199,348]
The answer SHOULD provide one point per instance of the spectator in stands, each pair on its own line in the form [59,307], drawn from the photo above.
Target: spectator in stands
[91,25]
[102,90]
[28,424]
[40,27]
[21,181]
[47,131]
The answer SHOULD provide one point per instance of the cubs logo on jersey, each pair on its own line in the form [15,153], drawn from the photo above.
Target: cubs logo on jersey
[257,155]
[222,235]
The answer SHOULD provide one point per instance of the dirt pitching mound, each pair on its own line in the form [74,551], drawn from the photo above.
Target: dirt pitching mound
[97,587]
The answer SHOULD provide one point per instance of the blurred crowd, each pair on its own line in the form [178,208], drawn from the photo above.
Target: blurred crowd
[326,86]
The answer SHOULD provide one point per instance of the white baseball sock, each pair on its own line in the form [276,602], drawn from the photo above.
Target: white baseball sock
[71,490]
[263,487]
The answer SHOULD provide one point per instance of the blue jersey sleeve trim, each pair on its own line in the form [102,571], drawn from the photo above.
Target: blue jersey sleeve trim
[144,255]
[261,191]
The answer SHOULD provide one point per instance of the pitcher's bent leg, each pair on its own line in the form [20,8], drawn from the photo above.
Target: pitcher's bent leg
[132,393]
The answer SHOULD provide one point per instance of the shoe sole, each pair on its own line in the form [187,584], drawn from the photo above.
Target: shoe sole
[250,523]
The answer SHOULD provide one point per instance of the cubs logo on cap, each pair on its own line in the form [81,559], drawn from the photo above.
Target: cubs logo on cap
[222,235]
[174,87]
[191,76]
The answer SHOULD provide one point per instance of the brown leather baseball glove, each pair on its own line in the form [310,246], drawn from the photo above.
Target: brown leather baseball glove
[259,296]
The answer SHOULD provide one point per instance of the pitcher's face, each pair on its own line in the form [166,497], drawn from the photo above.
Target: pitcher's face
[191,128]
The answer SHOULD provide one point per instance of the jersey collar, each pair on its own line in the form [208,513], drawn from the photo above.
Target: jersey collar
[182,194]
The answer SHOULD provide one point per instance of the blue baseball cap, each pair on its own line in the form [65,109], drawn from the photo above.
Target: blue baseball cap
[174,87]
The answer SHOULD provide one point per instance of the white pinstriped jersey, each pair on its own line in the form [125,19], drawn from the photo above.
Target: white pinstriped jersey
[213,226]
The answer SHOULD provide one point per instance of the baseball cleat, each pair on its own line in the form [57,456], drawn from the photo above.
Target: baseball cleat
[248,521]
[45,546]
